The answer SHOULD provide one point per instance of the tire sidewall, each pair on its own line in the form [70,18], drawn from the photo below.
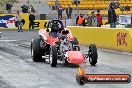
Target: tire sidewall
[94,55]
[53,59]
[35,50]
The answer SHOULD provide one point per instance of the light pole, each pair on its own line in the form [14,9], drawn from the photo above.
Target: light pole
[77,7]
[28,6]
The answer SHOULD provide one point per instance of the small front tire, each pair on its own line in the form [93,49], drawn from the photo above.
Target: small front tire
[75,44]
[93,55]
[53,58]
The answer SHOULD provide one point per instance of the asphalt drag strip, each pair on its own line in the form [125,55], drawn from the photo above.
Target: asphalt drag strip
[17,70]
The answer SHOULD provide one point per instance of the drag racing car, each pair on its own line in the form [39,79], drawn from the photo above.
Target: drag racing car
[58,43]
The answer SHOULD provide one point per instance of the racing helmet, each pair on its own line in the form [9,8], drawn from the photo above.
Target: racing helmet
[55,27]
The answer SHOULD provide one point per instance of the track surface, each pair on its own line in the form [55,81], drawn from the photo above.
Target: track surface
[17,70]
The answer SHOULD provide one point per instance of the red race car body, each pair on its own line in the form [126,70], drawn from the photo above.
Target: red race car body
[58,43]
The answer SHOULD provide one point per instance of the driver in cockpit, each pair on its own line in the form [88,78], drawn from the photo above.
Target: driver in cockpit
[54,29]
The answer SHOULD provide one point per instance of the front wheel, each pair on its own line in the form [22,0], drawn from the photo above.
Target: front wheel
[93,55]
[53,56]
[75,44]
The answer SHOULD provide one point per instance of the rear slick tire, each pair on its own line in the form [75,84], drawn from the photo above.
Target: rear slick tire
[35,50]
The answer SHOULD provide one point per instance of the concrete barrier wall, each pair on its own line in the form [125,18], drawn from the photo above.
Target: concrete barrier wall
[39,24]
[116,39]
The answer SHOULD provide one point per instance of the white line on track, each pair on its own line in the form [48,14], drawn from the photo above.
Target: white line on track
[8,40]
[117,52]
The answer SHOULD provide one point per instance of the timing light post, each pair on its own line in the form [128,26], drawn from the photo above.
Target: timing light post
[77,7]
[28,6]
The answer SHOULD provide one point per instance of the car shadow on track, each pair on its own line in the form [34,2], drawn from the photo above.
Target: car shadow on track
[61,64]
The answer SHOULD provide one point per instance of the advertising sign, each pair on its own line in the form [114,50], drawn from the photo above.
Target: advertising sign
[69,22]
[9,21]
[125,19]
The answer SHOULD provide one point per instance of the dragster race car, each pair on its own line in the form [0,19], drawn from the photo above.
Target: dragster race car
[58,43]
